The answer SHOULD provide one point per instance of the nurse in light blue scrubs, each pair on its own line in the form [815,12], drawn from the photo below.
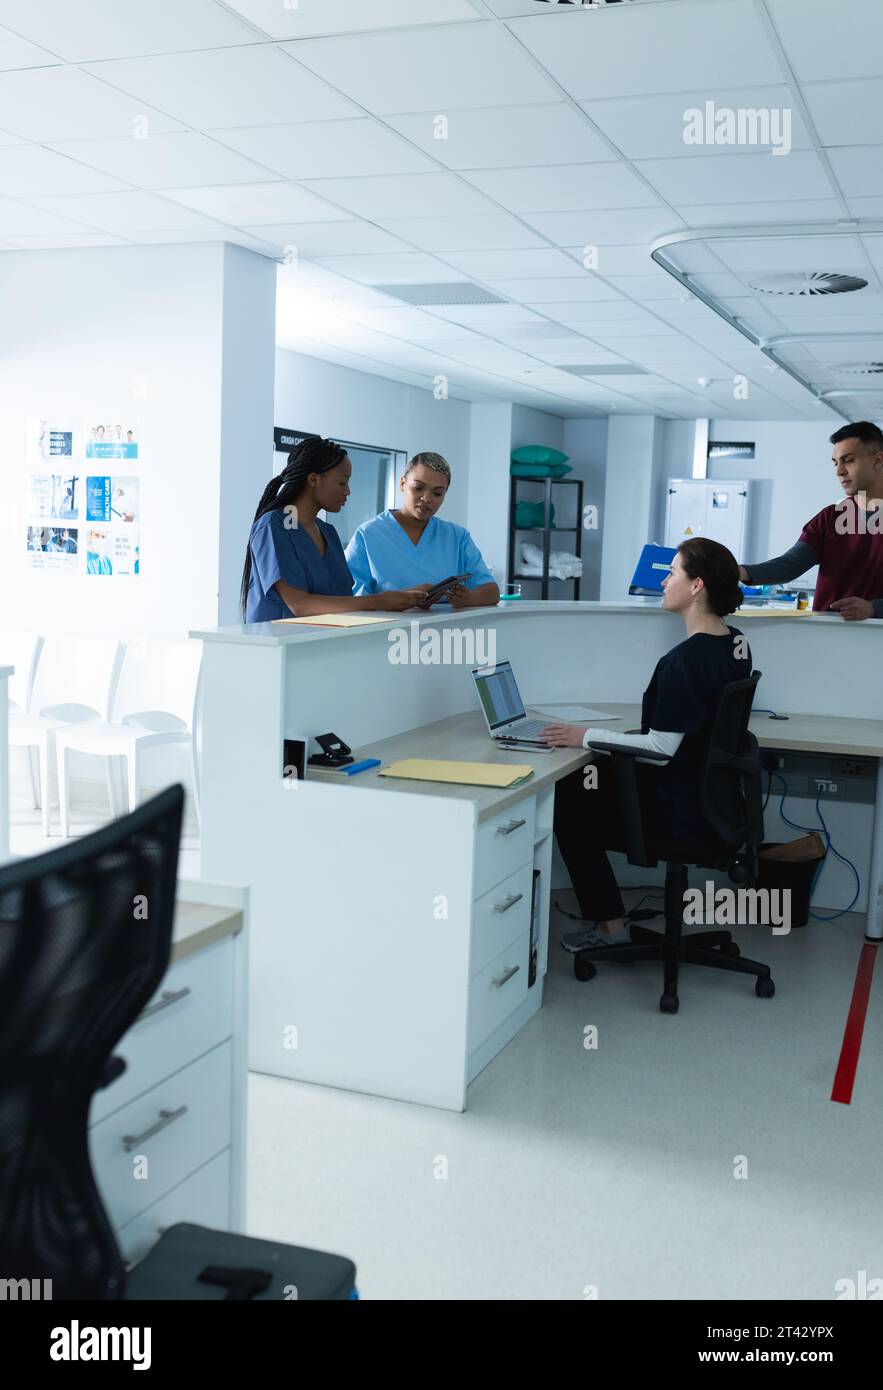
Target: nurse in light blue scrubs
[295,563]
[408,547]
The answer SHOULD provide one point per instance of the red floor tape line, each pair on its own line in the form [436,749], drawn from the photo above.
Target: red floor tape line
[844,1078]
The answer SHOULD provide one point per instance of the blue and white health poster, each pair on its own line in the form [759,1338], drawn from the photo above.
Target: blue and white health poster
[111,441]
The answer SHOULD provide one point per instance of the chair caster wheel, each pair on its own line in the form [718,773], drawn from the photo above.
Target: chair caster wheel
[730,949]
[764,989]
[668,1004]
[584,969]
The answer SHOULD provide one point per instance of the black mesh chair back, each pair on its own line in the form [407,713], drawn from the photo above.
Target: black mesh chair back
[730,796]
[85,939]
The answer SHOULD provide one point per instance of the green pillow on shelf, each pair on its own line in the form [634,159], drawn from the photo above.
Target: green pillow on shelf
[539,470]
[531,514]
[538,453]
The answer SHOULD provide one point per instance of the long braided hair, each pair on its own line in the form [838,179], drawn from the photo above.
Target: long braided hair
[311,455]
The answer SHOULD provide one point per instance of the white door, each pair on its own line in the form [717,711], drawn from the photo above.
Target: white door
[708,507]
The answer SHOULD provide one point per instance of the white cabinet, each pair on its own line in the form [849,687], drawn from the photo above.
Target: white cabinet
[167,1137]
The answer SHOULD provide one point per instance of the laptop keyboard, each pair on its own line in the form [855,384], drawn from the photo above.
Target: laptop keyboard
[529,729]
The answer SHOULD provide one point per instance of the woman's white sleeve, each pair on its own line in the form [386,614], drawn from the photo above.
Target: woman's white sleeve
[656,741]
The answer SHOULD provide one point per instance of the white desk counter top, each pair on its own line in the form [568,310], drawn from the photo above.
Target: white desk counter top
[287,633]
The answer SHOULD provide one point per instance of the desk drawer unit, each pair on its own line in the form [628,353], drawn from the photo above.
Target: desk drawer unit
[203,1199]
[191,1013]
[504,844]
[498,990]
[499,916]
[139,1153]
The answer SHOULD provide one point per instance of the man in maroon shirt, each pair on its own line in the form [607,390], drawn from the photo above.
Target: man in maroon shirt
[845,540]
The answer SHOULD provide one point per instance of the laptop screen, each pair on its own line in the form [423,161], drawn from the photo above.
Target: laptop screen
[499,695]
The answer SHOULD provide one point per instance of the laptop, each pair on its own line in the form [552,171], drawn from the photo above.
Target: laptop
[503,707]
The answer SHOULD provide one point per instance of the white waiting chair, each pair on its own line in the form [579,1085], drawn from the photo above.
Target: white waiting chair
[21,650]
[73,683]
[155,705]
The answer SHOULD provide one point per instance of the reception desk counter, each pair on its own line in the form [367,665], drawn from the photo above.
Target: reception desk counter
[392,946]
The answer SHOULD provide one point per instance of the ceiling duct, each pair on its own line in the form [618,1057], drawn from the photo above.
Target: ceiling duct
[452,294]
[808,283]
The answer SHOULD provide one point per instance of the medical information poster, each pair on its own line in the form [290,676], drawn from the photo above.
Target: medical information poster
[52,495]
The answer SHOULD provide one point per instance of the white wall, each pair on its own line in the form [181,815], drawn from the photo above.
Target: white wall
[792,478]
[586,443]
[489,447]
[365,409]
[634,479]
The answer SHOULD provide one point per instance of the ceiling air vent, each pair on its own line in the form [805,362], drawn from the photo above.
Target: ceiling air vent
[619,369]
[808,283]
[457,292]
[858,369]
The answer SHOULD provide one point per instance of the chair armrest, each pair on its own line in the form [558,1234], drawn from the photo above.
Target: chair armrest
[620,750]
[113,1070]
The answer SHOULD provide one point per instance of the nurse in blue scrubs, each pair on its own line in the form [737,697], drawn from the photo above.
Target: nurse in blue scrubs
[295,563]
[409,547]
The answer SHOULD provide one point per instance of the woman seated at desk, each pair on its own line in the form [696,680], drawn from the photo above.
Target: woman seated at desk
[702,585]
[295,562]
[409,547]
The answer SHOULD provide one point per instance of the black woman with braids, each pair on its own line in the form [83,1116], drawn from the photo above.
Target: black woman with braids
[295,563]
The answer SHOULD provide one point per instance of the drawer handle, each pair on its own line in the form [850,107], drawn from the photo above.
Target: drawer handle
[513,825]
[166,1117]
[512,899]
[506,976]
[168,996]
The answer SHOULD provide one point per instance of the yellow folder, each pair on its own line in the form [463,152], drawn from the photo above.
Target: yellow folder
[469,774]
[338,620]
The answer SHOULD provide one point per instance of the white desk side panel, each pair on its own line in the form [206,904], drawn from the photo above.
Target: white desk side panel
[357,979]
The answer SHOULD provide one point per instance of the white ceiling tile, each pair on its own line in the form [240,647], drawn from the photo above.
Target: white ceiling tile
[437,69]
[545,330]
[611,329]
[327,149]
[567,289]
[478,314]
[80,30]
[125,212]
[736,214]
[564,187]
[316,239]
[19,219]
[513,265]
[497,231]
[650,49]
[309,20]
[653,127]
[848,113]
[628,227]
[401,195]
[505,136]
[866,206]
[26,170]
[16,52]
[227,87]
[729,177]
[658,285]
[618,260]
[856,168]
[815,44]
[248,205]
[68,241]
[8,139]
[155,237]
[47,104]
[182,159]
[582,313]
[407,268]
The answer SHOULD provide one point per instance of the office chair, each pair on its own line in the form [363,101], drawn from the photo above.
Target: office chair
[730,803]
[76,969]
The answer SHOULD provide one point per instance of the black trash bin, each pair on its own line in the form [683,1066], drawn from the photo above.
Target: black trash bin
[787,874]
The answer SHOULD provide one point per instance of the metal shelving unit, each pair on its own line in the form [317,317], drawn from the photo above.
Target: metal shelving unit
[547,530]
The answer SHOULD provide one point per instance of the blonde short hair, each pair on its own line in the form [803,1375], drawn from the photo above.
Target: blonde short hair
[433,461]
